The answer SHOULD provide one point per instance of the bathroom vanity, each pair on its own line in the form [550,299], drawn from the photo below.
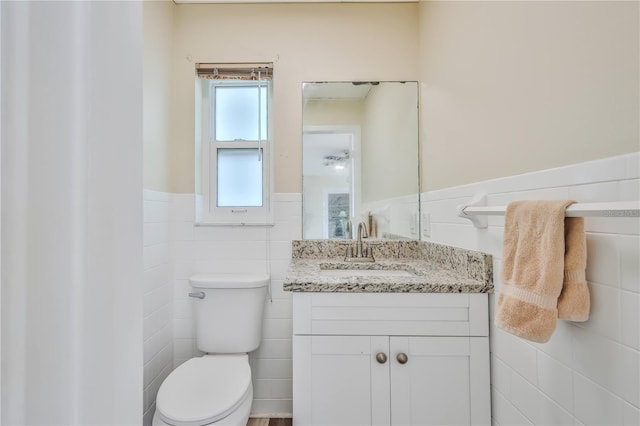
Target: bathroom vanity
[400,341]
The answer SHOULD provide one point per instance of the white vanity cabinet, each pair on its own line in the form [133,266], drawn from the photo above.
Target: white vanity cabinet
[390,359]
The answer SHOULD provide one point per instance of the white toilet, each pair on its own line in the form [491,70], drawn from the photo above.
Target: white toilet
[216,389]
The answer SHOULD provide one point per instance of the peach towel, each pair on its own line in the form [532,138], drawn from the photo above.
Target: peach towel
[543,269]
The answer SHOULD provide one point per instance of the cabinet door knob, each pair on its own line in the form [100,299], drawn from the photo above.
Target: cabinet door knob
[402,358]
[381,357]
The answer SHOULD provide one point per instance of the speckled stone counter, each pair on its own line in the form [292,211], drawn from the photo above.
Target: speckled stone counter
[431,268]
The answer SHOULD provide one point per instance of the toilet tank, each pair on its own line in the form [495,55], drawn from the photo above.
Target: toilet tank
[229,317]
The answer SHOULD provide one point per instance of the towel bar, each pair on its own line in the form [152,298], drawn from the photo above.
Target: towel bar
[477,210]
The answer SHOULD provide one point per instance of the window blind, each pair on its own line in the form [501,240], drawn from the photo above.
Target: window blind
[249,71]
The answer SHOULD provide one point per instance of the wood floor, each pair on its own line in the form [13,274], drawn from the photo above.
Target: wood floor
[270,422]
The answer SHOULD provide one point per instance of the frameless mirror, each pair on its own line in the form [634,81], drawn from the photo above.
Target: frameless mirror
[360,159]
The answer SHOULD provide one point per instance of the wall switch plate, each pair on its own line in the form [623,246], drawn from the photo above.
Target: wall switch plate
[426,225]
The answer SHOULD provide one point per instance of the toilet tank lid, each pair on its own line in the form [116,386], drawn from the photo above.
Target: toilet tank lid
[229,280]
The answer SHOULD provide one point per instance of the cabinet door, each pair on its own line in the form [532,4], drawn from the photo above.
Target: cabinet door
[338,381]
[444,381]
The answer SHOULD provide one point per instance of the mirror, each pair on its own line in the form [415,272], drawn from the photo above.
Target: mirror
[360,159]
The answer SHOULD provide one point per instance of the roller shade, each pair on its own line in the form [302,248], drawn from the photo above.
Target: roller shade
[253,71]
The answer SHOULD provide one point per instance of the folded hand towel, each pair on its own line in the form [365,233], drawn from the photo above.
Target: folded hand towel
[534,269]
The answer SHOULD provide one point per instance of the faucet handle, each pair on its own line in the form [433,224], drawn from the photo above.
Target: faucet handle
[348,253]
[369,251]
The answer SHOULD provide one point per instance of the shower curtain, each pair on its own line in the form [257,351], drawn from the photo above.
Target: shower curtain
[71,166]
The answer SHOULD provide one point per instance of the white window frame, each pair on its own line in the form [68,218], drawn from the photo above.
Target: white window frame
[209,213]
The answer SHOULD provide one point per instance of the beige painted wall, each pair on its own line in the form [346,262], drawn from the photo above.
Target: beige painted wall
[390,142]
[507,87]
[157,38]
[307,42]
[333,113]
[512,87]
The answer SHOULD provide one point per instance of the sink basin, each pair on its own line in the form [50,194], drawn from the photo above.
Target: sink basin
[366,273]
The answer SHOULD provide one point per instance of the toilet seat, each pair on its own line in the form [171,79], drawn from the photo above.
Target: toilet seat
[204,390]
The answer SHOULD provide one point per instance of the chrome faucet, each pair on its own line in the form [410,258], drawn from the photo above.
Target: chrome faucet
[363,253]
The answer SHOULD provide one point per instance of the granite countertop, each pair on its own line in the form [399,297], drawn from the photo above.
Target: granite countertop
[432,268]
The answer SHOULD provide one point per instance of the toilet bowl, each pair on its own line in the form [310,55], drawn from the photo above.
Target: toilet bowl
[209,390]
[216,388]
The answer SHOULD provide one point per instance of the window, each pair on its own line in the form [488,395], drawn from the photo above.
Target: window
[233,144]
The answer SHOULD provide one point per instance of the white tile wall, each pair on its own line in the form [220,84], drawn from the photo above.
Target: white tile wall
[588,373]
[210,249]
[397,216]
[158,296]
